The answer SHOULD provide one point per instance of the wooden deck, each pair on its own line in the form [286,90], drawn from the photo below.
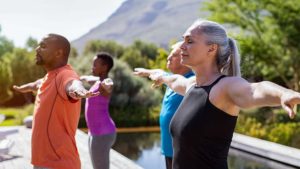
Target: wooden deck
[19,155]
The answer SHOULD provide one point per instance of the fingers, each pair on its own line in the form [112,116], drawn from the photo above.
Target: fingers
[16,87]
[141,72]
[108,82]
[73,95]
[289,109]
[76,95]
[154,85]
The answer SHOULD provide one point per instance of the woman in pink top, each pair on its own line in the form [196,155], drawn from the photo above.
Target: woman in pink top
[102,130]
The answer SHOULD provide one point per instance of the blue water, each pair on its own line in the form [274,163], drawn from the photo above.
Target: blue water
[144,149]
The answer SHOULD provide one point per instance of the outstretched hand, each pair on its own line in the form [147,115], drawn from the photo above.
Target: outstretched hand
[153,74]
[82,93]
[22,89]
[289,101]
[76,90]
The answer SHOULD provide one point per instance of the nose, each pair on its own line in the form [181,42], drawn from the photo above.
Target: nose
[169,58]
[183,46]
[37,48]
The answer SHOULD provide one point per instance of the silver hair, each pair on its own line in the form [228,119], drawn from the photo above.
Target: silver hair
[176,45]
[228,57]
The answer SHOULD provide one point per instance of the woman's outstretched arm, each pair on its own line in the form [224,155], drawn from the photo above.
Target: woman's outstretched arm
[176,82]
[261,94]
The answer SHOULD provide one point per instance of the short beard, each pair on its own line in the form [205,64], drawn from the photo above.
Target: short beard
[39,62]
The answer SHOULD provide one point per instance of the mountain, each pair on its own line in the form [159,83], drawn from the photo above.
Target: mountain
[156,21]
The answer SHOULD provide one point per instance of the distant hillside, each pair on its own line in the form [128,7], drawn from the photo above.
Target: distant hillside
[157,21]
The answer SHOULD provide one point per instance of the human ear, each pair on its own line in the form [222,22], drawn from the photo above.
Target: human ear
[59,53]
[213,47]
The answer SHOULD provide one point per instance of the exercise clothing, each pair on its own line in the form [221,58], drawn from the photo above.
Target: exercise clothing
[170,103]
[201,132]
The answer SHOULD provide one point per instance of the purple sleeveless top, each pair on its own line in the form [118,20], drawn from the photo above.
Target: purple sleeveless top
[97,115]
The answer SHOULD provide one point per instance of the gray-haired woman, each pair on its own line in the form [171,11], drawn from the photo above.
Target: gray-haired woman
[204,123]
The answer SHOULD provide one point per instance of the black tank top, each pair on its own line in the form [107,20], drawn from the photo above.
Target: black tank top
[201,132]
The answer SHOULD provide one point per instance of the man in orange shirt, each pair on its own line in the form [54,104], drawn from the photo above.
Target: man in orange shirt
[57,107]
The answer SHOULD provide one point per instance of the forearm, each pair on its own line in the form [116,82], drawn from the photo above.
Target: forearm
[29,87]
[176,82]
[76,90]
[90,79]
[268,94]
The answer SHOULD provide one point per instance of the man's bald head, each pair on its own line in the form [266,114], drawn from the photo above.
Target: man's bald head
[53,52]
[61,43]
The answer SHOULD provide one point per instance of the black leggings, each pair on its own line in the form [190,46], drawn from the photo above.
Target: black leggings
[169,162]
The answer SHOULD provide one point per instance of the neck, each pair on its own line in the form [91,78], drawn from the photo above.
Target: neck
[103,76]
[181,71]
[206,75]
[55,66]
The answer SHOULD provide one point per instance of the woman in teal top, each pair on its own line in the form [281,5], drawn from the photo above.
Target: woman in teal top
[170,102]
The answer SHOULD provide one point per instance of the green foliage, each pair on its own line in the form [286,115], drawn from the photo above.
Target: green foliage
[108,46]
[17,67]
[250,126]
[273,125]
[148,50]
[23,65]
[133,100]
[269,34]
[5,45]
[139,54]
[5,79]
[31,43]
[160,61]
[73,53]
[83,64]
[284,133]
[134,58]
[15,116]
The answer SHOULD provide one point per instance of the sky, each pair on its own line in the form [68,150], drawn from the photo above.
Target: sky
[20,19]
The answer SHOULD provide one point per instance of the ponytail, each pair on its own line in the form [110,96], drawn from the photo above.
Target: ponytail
[234,69]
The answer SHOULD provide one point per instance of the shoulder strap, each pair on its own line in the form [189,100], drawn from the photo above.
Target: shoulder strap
[217,80]
[208,88]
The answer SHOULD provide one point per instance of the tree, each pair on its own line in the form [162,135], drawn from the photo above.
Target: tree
[31,43]
[134,58]
[269,36]
[148,50]
[133,99]
[5,45]
[5,79]
[23,70]
[111,47]
[73,53]
[160,61]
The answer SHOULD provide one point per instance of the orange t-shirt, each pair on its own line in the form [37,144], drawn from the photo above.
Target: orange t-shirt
[55,122]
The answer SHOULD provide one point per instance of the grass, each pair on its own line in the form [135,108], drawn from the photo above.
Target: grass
[15,116]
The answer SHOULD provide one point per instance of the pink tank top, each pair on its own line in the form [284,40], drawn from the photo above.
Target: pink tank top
[97,115]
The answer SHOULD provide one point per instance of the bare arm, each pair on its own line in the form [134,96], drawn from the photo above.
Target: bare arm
[29,87]
[76,90]
[250,95]
[176,82]
[90,79]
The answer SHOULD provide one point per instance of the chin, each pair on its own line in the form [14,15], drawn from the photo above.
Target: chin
[38,63]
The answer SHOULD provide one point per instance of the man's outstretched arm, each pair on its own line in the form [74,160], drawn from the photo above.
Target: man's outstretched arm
[28,87]
[76,90]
